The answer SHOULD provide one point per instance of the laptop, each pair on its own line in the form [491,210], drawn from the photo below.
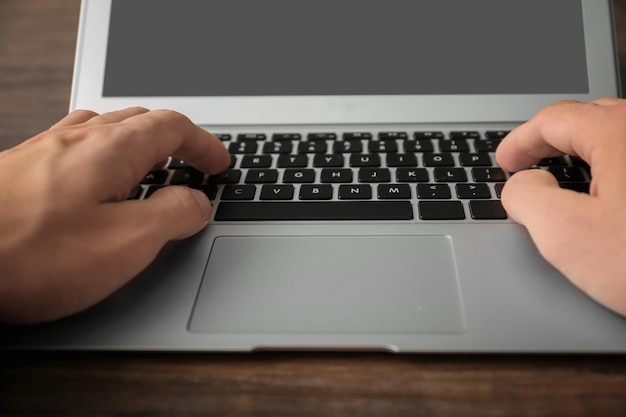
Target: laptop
[361,210]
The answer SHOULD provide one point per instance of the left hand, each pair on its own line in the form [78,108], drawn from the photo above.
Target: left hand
[68,237]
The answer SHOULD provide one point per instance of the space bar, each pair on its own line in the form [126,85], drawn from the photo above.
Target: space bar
[318,210]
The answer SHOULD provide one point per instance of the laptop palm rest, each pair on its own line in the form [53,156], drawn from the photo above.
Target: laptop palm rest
[361,285]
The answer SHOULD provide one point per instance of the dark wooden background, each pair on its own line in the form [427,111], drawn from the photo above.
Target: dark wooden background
[37,39]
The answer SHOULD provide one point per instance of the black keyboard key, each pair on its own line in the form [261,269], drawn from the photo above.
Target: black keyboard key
[187,176]
[567,174]
[450,175]
[453,145]
[481,159]
[299,176]
[357,136]
[355,192]
[312,147]
[441,210]
[486,145]
[428,135]
[251,136]
[238,192]
[292,161]
[401,160]
[256,161]
[277,147]
[464,134]
[364,160]
[557,161]
[224,137]
[420,145]
[488,174]
[318,210]
[277,192]
[433,192]
[321,136]
[412,175]
[155,177]
[498,187]
[579,162]
[382,146]
[394,192]
[210,190]
[135,193]
[177,163]
[151,189]
[316,192]
[281,137]
[374,175]
[328,161]
[244,147]
[262,176]
[487,210]
[472,191]
[231,176]
[348,146]
[496,134]
[438,160]
[581,187]
[393,135]
[341,175]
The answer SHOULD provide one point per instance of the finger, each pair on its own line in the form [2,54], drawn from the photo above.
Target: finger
[75,118]
[567,127]
[526,145]
[171,213]
[170,204]
[149,138]
[570,231]
[551,214]
[609,101]
[138,229]
[117,116]
[124,238]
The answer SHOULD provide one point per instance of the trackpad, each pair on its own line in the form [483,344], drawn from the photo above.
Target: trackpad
[329,285]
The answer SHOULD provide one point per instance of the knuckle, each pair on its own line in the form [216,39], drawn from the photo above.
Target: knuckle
[550,113]
[138,109]
[84,113]
[172,116]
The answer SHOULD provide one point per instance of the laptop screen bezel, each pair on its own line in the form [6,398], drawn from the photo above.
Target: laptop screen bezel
[90,66]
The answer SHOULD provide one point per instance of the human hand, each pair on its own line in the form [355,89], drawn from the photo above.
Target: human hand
[583,236]
[68,237]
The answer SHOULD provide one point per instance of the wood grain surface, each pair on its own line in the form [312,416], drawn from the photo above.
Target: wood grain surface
[37,40]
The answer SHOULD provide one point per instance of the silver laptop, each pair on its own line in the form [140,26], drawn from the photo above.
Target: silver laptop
[361,210]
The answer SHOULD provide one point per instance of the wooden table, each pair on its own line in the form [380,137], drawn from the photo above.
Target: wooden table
[37,40]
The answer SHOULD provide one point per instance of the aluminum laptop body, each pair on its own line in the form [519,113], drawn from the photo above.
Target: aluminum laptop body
[255,71]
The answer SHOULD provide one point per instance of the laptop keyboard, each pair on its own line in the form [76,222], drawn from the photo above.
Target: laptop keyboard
[390,175]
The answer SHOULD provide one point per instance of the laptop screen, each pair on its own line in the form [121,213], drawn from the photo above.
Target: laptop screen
[346,47]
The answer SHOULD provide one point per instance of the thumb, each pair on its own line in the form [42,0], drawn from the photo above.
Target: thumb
[179,212]
[572,233]
[534,199]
